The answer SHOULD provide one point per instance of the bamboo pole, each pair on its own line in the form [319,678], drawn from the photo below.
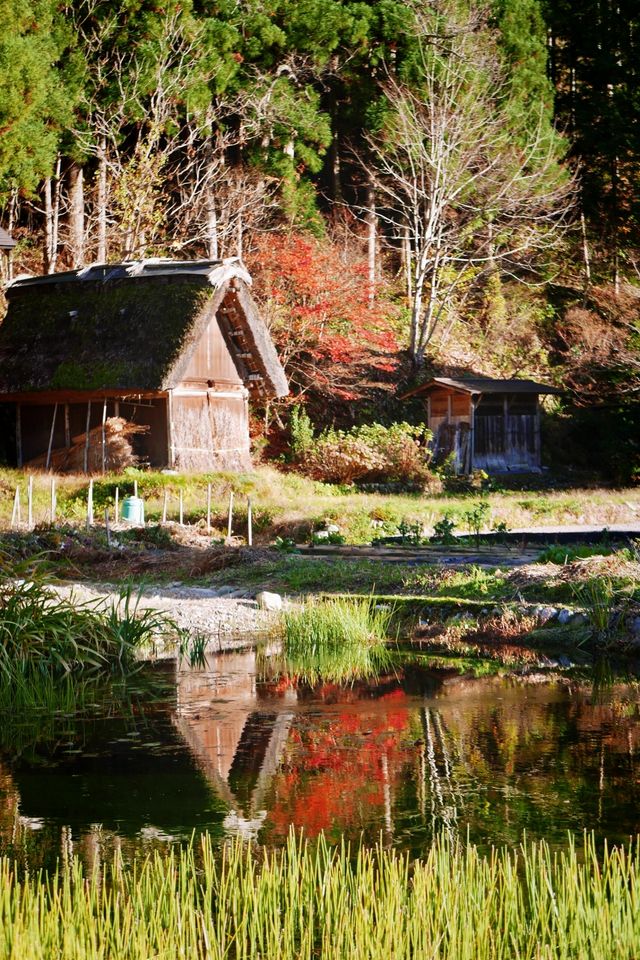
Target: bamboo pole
[107,527]
[104,435]
[116,508]
[181,496]
[208,508]
[249,523]
[90,504]
[135,488]
[86,440]
[16,513]
[165,502]
[230,520]
[53,428]
[30,503]
[53,500]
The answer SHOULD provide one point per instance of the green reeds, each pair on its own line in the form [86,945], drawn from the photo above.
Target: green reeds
[336,639]
[43,633]
[304,903]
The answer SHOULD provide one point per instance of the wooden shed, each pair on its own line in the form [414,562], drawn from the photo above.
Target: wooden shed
[485,424]
[176,347]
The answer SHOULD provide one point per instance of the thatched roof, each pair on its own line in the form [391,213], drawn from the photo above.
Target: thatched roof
[482,385]
[130,327]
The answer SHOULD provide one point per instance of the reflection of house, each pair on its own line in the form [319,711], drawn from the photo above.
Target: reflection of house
[178,347]
[237,745]
[484,424]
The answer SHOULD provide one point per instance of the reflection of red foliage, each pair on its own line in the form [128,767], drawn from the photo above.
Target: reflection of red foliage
[334,776]
[328,333]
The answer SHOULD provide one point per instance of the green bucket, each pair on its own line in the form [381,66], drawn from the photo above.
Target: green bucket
[133,511]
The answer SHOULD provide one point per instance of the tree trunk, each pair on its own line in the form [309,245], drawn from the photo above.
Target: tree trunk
[52,218]
[76,215]
[372,239]
[586,256]
[101,253]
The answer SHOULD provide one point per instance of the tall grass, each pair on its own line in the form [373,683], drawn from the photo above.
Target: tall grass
[304,903]
[336,639]
[43,633]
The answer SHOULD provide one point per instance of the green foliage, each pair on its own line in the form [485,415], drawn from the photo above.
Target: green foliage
[477,517]
[336,639]
[562,554]
[443,530]
[33,101]
[373,452]
[301,432]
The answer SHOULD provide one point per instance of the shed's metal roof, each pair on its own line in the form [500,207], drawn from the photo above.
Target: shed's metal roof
[482,385]
[6,240]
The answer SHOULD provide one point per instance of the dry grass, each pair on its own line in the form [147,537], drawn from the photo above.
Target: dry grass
[288,505]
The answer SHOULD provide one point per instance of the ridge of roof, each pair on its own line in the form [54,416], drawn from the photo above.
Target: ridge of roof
[215,272]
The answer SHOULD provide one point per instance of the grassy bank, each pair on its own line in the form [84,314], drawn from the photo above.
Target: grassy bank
[289,505]
[307,903]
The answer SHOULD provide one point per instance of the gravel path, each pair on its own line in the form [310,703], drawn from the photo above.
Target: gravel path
[226,616]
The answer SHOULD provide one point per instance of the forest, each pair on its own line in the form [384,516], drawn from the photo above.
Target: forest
[445,186]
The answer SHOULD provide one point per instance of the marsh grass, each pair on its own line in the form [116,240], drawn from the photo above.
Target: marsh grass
[307,902]
[43,634]
[336,639]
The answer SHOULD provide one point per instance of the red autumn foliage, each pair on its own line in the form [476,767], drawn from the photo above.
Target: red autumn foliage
[331,339]
[335,777]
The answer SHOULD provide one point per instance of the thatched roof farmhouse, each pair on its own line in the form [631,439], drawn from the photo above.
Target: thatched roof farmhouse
[176,347]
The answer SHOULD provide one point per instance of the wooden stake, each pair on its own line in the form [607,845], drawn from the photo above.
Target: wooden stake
[165,501]
[181,509]
[53,500]
[135,488]
[107,527]
[30,503]
[208,508]
[104,436]
[116,508]
[15,516]
[53,427]
[19,434]
[86,440]
[90,504]
[249,524]
[230,520]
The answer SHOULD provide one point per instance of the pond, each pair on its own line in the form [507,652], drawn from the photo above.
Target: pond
[397,759]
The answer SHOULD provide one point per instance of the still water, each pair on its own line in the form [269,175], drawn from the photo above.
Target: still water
[397,759]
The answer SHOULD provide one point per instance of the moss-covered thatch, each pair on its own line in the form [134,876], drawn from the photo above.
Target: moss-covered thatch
[121,332]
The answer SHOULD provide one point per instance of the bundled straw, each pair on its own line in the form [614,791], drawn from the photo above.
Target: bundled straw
[118,452]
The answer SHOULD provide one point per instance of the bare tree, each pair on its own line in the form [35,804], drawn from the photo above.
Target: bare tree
[462,192]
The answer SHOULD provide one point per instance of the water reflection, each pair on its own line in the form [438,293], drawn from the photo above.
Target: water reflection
[400,757]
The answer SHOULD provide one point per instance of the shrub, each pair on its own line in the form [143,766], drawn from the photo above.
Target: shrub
[372,452]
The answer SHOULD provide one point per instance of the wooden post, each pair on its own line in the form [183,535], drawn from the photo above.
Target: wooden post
[135,488]
[230,520]
[86,438]
[208,508]
[19,434]
[165,501]
[249,523]
[16,514]
[116,508]
[90,504]
[53,427]
[107,527]
[53,500]
[170,441]
[104,436]
[30,503]
[67,426]
[181,495]
[472,432]
[536,436]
